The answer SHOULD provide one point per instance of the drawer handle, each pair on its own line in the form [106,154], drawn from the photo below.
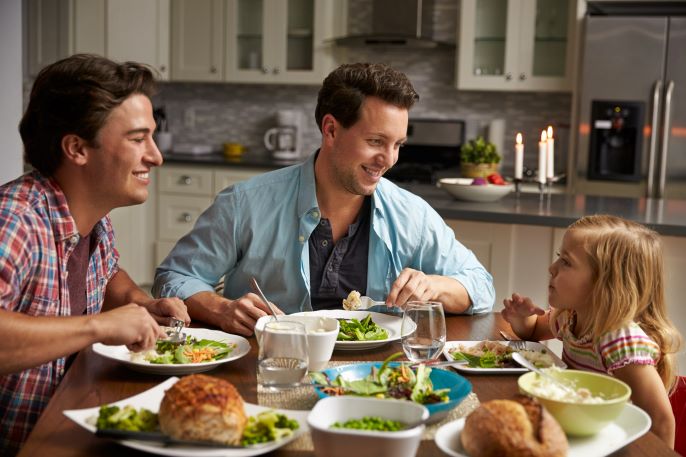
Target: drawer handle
[185,180]
[186,217]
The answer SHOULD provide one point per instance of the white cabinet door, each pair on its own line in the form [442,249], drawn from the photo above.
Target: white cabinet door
[197,40]
[138,30]
[516,45]
[134,231]
[279,41]
[47,33]
[88,25]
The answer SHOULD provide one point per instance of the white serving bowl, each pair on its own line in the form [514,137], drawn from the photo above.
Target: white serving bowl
[462,189]
[343,442]
[321,337]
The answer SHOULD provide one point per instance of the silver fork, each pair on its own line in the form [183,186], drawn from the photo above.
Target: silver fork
[517,345]
[174,334]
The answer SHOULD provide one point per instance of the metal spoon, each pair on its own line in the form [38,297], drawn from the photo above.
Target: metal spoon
[520,359]
[256,288]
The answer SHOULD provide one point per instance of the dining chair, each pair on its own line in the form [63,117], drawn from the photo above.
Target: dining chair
[678,401]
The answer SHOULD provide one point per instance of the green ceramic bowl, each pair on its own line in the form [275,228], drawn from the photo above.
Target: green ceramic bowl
[582,419]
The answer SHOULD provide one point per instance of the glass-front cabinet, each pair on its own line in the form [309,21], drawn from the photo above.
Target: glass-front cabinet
[516,45]
[281,41]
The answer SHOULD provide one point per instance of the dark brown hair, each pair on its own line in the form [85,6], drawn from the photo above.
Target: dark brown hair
[346,88]
[75,96]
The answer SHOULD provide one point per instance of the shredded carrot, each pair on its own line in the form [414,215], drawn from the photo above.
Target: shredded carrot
[199,355]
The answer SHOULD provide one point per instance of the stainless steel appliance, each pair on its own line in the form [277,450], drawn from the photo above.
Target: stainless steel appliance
[632,103]
[432,151]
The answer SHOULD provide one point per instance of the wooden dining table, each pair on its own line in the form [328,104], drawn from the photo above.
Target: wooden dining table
[94,380]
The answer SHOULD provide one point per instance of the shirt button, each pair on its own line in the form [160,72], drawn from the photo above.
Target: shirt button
[315,214]
[74,239]
[330,268]
[301,239]
[323,222]
[325,243]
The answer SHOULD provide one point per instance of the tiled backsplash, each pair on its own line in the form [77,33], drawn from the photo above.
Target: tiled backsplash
[243,112]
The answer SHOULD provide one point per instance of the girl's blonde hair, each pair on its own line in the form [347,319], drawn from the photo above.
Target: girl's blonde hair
[628,284]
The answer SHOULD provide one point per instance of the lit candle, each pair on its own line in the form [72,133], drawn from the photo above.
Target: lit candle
[542,155]
[519,157]
[550,165]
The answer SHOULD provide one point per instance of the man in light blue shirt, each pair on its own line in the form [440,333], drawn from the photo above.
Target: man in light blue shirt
[312,232]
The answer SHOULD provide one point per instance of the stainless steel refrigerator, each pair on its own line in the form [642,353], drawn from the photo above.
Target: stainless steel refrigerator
[632,106]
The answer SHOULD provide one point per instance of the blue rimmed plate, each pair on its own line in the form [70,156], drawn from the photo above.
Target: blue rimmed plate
[441,379]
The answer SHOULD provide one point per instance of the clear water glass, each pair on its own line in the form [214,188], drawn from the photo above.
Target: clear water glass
[282,359]
[423,330]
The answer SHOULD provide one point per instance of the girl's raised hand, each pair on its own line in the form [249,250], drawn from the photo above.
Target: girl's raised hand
[518,308]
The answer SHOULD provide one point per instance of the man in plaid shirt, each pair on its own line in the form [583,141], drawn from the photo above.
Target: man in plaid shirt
[87,132]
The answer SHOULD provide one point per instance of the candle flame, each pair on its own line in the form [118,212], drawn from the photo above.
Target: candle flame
[519,138]
[544,137]
[550,131]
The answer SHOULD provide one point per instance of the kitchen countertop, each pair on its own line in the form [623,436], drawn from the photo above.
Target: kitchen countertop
[667,217]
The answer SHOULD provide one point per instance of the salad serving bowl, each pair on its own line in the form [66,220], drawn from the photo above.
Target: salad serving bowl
[457,387]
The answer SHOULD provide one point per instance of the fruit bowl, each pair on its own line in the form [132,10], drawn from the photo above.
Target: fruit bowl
[462,189]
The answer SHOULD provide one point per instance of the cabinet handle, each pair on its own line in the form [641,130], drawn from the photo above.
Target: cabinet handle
[522,76]
[185,180]
[265,70]
[275,71]
[213,69]
[163,68]
[508,76]
[186,217]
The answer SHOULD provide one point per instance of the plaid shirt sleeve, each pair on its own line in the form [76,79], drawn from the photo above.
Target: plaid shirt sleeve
[15,259]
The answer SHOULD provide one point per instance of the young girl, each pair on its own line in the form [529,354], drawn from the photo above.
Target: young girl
[606,294]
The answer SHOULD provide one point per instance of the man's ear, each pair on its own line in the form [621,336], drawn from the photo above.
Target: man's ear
[75,149]
[329,126]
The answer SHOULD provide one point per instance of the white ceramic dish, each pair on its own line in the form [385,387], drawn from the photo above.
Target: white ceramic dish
[530,345]
[342,442]
[151,399]
[631,424]
[392,325]
[123,355]
[462,189]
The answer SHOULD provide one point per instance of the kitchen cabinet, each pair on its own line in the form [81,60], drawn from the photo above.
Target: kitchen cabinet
[255,41]
[516,45]
[517,256]
[184,192]
[57,29]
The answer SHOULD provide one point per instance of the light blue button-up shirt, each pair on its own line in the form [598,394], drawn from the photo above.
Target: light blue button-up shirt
[261,228]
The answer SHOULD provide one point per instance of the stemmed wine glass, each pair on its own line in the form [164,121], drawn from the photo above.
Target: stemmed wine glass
[423,330]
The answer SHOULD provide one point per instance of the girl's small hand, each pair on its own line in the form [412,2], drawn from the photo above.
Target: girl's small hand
[518,308]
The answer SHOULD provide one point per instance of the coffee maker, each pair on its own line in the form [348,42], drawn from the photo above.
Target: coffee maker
[285,140]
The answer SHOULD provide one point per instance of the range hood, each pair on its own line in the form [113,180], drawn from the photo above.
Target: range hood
[398,23]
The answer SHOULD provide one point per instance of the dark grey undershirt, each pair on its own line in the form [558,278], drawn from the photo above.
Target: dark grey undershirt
[337,269]
[77,267]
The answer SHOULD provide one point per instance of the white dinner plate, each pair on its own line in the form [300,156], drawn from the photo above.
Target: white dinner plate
[631,424]
[123,355]
[392,325]
[530,345]
[151,399]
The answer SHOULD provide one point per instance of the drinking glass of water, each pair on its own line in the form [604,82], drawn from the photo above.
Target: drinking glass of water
[423,330]
[282,359]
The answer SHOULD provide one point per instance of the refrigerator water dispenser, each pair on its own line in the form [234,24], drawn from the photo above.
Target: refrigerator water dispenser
[616,139]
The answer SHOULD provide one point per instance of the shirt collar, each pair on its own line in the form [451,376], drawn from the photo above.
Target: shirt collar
[64,226]
[307,193]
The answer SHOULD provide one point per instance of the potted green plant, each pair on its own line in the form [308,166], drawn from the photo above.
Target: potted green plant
[479,158]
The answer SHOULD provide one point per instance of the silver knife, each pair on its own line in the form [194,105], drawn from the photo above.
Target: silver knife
[162,439]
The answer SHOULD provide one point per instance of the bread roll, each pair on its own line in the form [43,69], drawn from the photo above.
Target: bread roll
[200,407]
[520,427]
